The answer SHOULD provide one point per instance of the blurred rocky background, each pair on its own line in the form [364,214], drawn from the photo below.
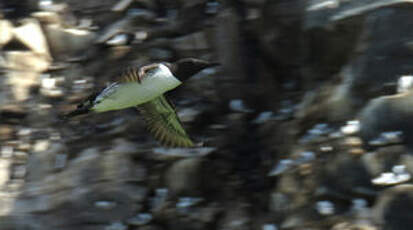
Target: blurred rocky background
[307,123]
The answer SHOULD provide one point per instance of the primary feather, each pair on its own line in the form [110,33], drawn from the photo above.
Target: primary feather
[130,75]
[163,122]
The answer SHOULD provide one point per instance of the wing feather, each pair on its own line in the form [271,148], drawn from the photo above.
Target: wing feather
[163,122]
[130,75]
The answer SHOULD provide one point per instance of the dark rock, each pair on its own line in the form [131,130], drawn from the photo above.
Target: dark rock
[384,158]
[41,163]
[68,42]
[229,52]
[147,227]
[281,34]
[55,206]
[235,218]
[161,153]
[125,25]
[342,24]
[387,113]
[195,42]
[116,226]
[182,177]
[347,175]
[122,5]
[99,11]
[354,85]
[392,208]
[140,219]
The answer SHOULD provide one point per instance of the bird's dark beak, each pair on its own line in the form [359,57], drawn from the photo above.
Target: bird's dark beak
[196,64]
[212,64]
[186,68]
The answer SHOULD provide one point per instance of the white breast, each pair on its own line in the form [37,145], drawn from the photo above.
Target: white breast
[124,95]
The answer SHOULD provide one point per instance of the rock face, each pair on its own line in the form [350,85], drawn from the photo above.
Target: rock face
[306,124]
[187,170]
[377,62]
[6,32]
[397,198]
[66,43]
[31,35]
[387,113]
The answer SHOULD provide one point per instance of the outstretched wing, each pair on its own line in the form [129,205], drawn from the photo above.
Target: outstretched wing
[164,124]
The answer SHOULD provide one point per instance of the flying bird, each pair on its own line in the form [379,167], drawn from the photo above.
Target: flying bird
[144,89]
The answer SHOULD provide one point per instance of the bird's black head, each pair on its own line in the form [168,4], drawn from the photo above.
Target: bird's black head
[83,107]
[185,68]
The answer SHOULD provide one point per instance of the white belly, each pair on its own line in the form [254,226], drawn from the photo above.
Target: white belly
[124,95]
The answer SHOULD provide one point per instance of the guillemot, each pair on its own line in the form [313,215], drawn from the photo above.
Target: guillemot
[144,89]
